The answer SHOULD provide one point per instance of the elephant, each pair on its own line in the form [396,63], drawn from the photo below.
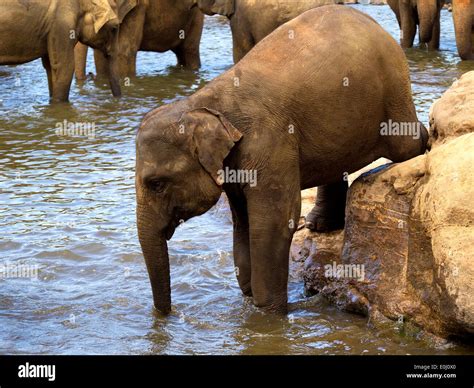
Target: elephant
[293,114]
[463,16]
[154,25]
[422,13]
[50,29]
[251,20]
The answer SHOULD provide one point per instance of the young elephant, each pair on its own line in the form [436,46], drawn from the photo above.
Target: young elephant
[251,20]
[154,25]
[422,13]
[293,114]
[463,16]
[50,29]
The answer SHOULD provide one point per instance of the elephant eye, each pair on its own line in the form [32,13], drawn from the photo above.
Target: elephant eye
[158,186]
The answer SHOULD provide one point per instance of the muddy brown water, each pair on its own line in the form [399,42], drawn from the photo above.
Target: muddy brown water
[68,210]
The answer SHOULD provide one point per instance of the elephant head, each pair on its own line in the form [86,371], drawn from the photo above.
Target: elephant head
[463,16]
[219,7]
[427,14]
[99,29]
[176,178]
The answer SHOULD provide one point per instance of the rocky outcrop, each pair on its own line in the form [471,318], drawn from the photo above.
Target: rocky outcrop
[453,114]
[407,250]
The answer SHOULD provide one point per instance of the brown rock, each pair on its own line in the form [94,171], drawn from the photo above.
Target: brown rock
[453,114]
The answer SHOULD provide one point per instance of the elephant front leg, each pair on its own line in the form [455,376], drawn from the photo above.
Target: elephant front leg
[408,25]
[242,40]
[274,210]
[188,52]
[60,71]
[60,61]
[241,252]
[328,213]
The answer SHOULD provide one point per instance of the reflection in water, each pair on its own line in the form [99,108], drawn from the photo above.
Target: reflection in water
[67,205]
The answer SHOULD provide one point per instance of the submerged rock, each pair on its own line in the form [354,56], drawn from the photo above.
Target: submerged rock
[407,250]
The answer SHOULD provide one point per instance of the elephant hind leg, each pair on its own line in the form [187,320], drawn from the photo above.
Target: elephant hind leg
[47,67]
[328,213]
[240,220]
[433,44]
[404,137]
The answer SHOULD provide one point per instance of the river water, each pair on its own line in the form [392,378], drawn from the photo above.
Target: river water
[68,210]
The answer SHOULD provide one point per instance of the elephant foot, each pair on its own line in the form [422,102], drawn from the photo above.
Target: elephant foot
[247,291]
[328,213]
[318,221]
[274,309]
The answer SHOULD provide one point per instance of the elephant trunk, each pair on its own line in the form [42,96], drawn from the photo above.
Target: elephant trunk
[113,65]
[80,61]
[155,251]
[114,78]
[427,12]
[463,26]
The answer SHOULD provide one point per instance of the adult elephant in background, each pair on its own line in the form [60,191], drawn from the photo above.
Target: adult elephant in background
[50,29]
[463,16]
[251,20]
[154,25]
[303,115]
[421,14]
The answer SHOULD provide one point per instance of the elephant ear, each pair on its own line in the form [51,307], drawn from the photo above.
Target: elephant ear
[224,7]
[213,137]
[102,13]
[124,7]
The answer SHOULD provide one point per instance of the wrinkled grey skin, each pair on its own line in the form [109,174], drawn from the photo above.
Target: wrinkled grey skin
[154,25]
[421,14]
[463,17]
[253,20]
[49,30]
[286,111]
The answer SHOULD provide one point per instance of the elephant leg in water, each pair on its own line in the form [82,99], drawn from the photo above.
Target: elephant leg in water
[187,52]
[329,211]
[241,236]
[463,16]
[433,44]
[59,66]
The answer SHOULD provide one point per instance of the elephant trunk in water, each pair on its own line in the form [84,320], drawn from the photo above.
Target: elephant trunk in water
[427,13]
[113,66]
[114,79]
[463,27]
[155,251]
